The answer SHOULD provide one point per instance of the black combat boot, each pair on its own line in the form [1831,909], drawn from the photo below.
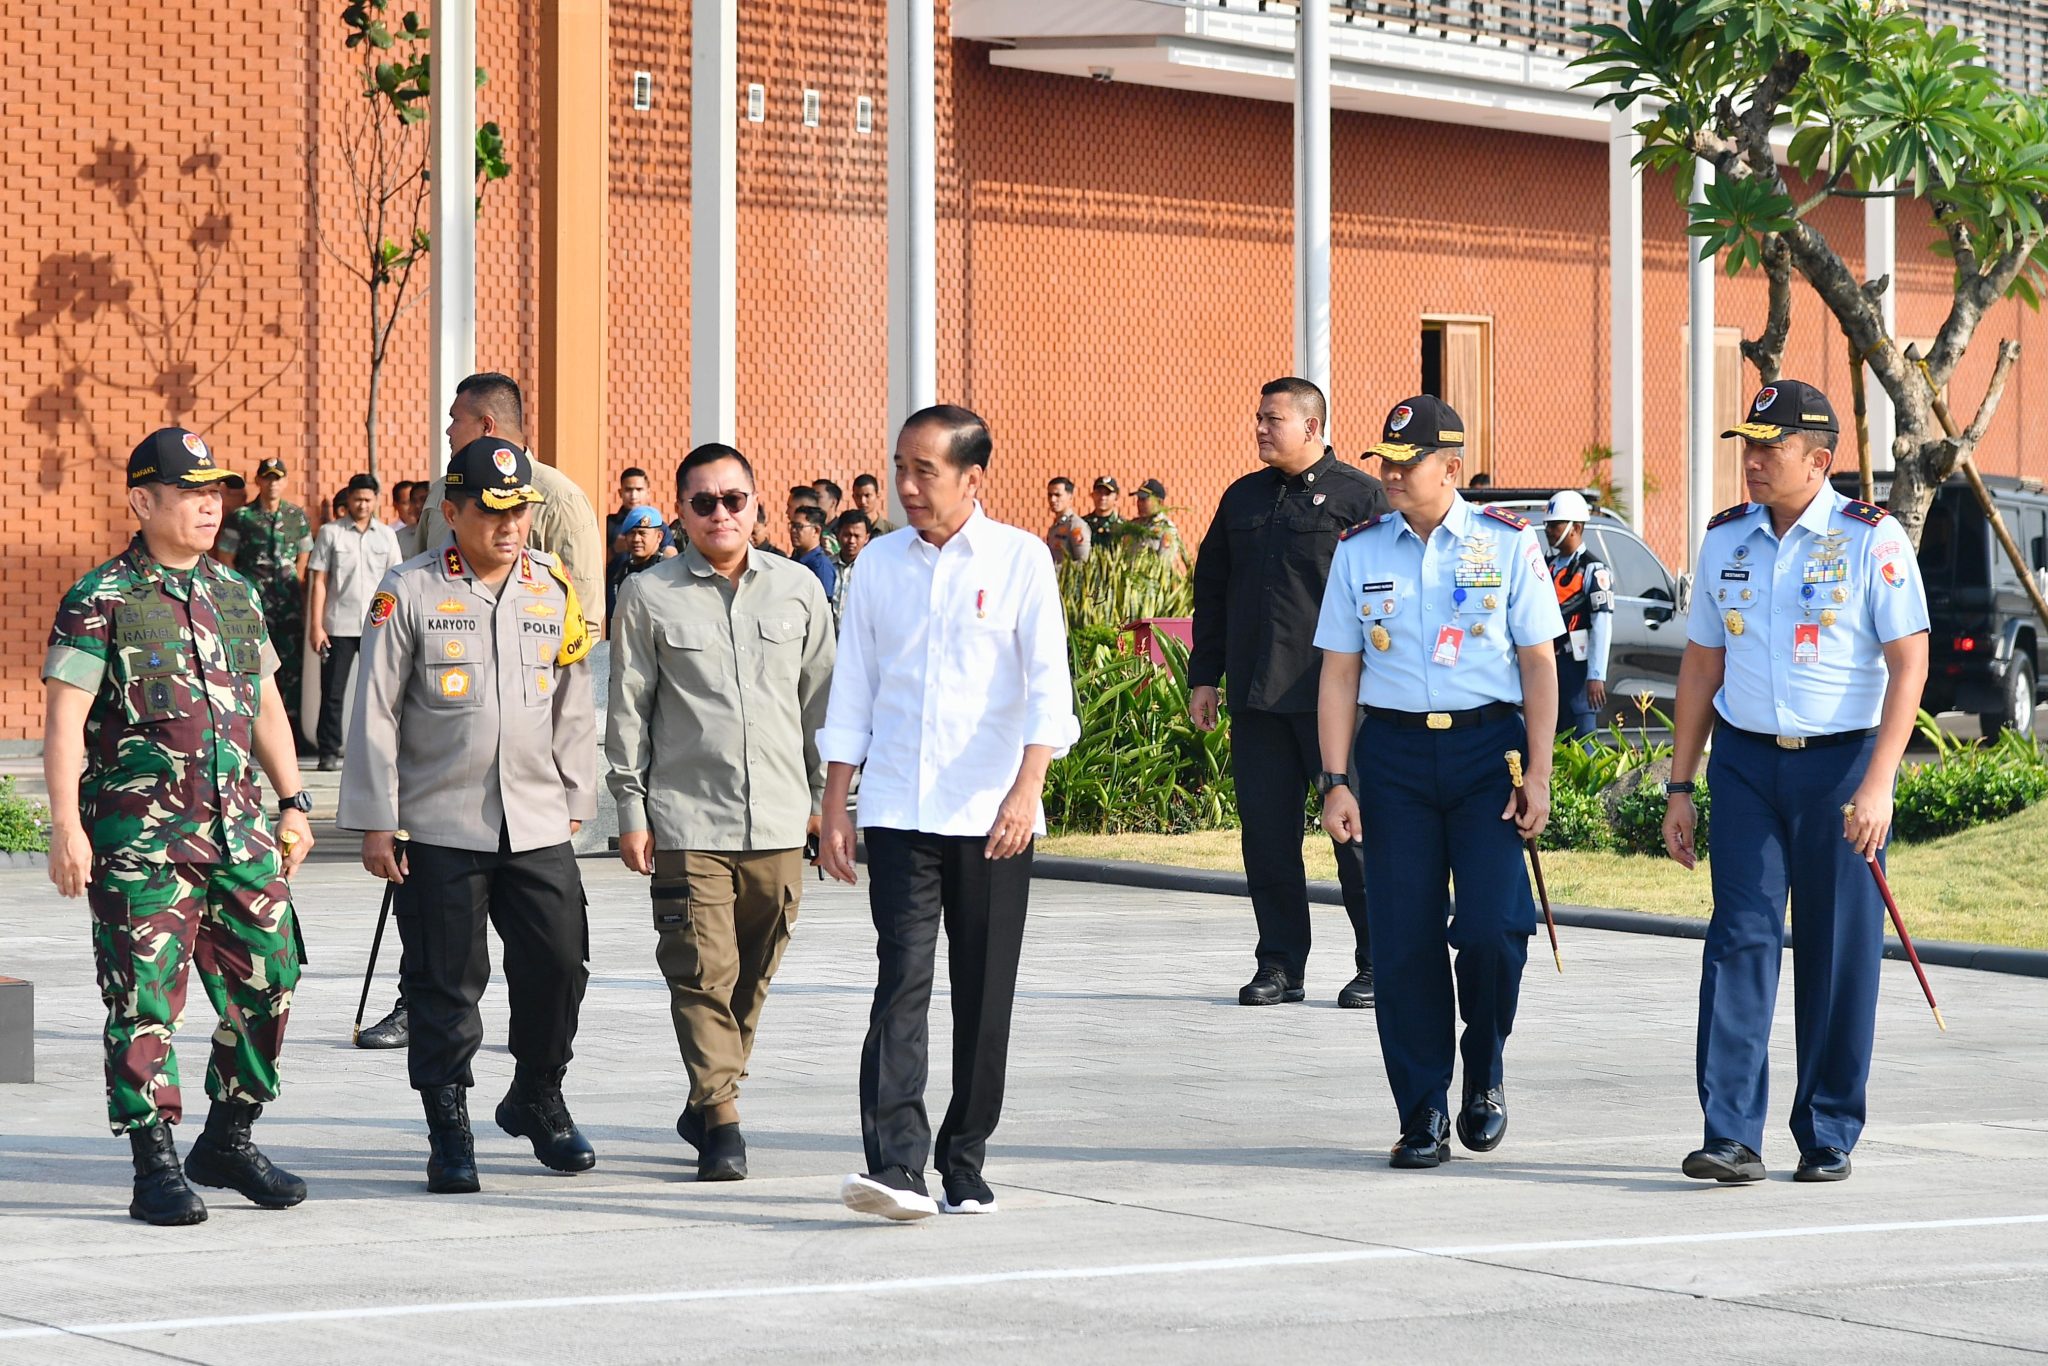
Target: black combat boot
[225,1157]
[534,1110]
[451,1158]
[161,1195]
[393,1031]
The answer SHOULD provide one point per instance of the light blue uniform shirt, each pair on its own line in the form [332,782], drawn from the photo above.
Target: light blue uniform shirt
[1453,609]
[1814,612]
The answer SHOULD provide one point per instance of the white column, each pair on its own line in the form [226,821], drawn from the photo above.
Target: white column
[913,214]
[1312,194]
[1881,257]
[1625,311]
[451,132]
[1699,408]
[714,216]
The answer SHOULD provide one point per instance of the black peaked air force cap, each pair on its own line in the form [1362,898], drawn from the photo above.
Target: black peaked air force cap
[1780,409]
[495,472]
[1417,426]
[174,456]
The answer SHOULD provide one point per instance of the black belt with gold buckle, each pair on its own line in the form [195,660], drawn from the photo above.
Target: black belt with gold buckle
[1796,742]
[1444,720]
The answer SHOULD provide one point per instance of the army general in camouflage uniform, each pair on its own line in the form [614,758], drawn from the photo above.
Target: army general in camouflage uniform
[268,541]
[160,695]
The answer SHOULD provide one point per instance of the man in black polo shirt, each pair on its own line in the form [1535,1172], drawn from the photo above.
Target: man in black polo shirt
[1258,592]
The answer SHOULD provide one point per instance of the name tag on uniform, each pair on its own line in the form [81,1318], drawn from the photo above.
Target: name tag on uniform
[1742,574]
[1806,643]
[1449,641]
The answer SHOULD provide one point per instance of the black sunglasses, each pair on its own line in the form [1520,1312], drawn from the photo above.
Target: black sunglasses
[704,504]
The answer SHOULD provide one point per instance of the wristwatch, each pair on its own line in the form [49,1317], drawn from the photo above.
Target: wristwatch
[1678,789]
[302,801]
[1326,781]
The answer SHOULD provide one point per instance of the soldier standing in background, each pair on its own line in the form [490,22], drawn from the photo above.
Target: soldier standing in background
[161,688]
[268,541]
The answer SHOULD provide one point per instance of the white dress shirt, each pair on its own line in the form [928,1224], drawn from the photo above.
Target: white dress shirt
[355,562]
[951,660]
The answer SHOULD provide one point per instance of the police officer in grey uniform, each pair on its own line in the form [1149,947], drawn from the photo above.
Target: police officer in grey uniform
[474,731]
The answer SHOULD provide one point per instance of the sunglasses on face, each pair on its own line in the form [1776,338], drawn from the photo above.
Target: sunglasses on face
[704,504]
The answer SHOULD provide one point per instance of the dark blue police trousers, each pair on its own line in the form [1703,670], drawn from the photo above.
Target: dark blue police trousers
[1777,825]
[1575,714]
[1431,803]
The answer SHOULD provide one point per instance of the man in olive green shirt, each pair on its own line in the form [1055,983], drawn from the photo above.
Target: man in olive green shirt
[721,661]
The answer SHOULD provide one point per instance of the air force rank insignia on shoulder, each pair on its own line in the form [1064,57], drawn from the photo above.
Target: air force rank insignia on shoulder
[1365,525]
[381,608]
[1867,513]
[1513,519]
[1726,515]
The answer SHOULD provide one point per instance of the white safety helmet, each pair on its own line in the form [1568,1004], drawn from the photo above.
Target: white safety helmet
[1567,505]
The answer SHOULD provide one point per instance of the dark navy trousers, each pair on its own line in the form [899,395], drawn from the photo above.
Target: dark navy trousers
[1575,714]
[1431,803]
[1777,828]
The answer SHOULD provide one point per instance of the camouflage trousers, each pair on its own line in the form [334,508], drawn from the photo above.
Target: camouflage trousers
[151,922]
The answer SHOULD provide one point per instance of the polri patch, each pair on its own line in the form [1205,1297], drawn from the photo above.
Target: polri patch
[381,608]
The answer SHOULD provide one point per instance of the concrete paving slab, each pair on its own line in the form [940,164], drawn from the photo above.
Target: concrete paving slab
[1181,1179]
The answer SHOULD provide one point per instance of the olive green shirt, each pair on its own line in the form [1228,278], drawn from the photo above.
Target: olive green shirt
[717,693]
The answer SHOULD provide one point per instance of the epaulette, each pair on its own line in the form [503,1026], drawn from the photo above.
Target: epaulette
[1726,515]
[1513,519]
[1870,514]
[1365,525]
[540,556]
[451,561]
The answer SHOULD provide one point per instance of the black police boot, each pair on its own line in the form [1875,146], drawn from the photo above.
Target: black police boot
[723,1156]
[1270,986]
[1426,1142]
[1358,993]
[690,1127]
[1483,1120]
[161,1195]
[393,1031]
[534,1110]
[226,1157]
[1724,1160]
[451,1156]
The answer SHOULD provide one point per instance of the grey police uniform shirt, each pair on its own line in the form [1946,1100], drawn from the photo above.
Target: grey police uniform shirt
[717,694]
[465,722]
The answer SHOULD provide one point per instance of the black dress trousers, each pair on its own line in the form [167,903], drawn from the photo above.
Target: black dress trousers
[335,669]
[1274,758]
[536,900]
[916,881]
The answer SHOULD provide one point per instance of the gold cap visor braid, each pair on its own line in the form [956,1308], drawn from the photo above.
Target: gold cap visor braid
[1757,431]
[199,478]
[1398,453]
[502,500]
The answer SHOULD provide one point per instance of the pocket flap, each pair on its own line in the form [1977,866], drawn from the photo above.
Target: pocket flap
[688,635]
[781,628]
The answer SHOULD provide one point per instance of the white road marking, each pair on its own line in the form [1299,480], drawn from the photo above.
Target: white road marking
[911,1284]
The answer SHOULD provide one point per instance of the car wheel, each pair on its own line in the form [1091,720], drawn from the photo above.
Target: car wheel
[2018,710]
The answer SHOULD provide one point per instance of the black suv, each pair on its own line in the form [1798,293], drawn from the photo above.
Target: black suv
[1984,647]
[1649,632]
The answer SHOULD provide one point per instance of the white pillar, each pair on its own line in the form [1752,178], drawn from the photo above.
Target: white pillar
[451,131]
[1625,311]
[913,213]
[1312,194]
[1699,408]
[714,217]
[1881,257]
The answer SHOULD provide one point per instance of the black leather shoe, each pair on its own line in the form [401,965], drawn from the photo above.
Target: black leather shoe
[1425,1143]
[1357,993]
[690,1127]
[1483,1122]
[393,1031]
[1726,1161]
[1822,1164]
[451,1157]
[161,1195]
[1270,986]
[723,1155]
[225,1156]
[534,1110]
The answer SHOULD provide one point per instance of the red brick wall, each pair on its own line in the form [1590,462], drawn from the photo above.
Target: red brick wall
[1115,273]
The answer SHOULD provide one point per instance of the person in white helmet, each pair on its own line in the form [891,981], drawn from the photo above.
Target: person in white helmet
[1585,596]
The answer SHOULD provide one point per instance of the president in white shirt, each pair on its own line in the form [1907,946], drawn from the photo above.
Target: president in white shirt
[953,690]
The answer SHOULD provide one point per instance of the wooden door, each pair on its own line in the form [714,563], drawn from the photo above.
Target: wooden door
[1468,388]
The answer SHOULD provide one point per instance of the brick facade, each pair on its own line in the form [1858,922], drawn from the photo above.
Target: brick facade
[1115,272]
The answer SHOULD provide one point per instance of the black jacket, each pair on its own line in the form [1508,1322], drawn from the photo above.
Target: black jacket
[1259,581]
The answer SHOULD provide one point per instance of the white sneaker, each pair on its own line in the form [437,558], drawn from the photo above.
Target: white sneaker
[876,1195]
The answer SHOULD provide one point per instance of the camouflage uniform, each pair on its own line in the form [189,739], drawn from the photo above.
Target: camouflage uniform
[185,868]
[266,547]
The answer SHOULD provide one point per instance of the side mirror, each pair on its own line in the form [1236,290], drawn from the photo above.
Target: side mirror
[1661,609]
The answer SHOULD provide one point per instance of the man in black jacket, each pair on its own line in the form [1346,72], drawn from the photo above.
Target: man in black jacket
[1258,591]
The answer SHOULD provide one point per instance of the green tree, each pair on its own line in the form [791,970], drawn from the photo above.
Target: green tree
[1879,105]
[384,146]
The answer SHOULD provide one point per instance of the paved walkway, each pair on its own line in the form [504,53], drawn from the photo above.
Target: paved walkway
[1182,1180]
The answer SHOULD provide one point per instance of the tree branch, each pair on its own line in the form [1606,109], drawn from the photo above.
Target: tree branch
[2008,356]
[1975,293]
[1767,352]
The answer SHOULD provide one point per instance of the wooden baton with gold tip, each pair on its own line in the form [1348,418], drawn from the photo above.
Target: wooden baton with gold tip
[398,842]
[1536,864]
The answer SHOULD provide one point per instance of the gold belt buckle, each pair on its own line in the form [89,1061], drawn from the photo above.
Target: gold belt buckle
[1439,720]
[1791,741]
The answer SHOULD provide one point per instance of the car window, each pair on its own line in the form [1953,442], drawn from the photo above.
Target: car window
[1636,570]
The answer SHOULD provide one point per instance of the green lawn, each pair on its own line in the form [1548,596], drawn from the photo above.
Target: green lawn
[1982,886]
